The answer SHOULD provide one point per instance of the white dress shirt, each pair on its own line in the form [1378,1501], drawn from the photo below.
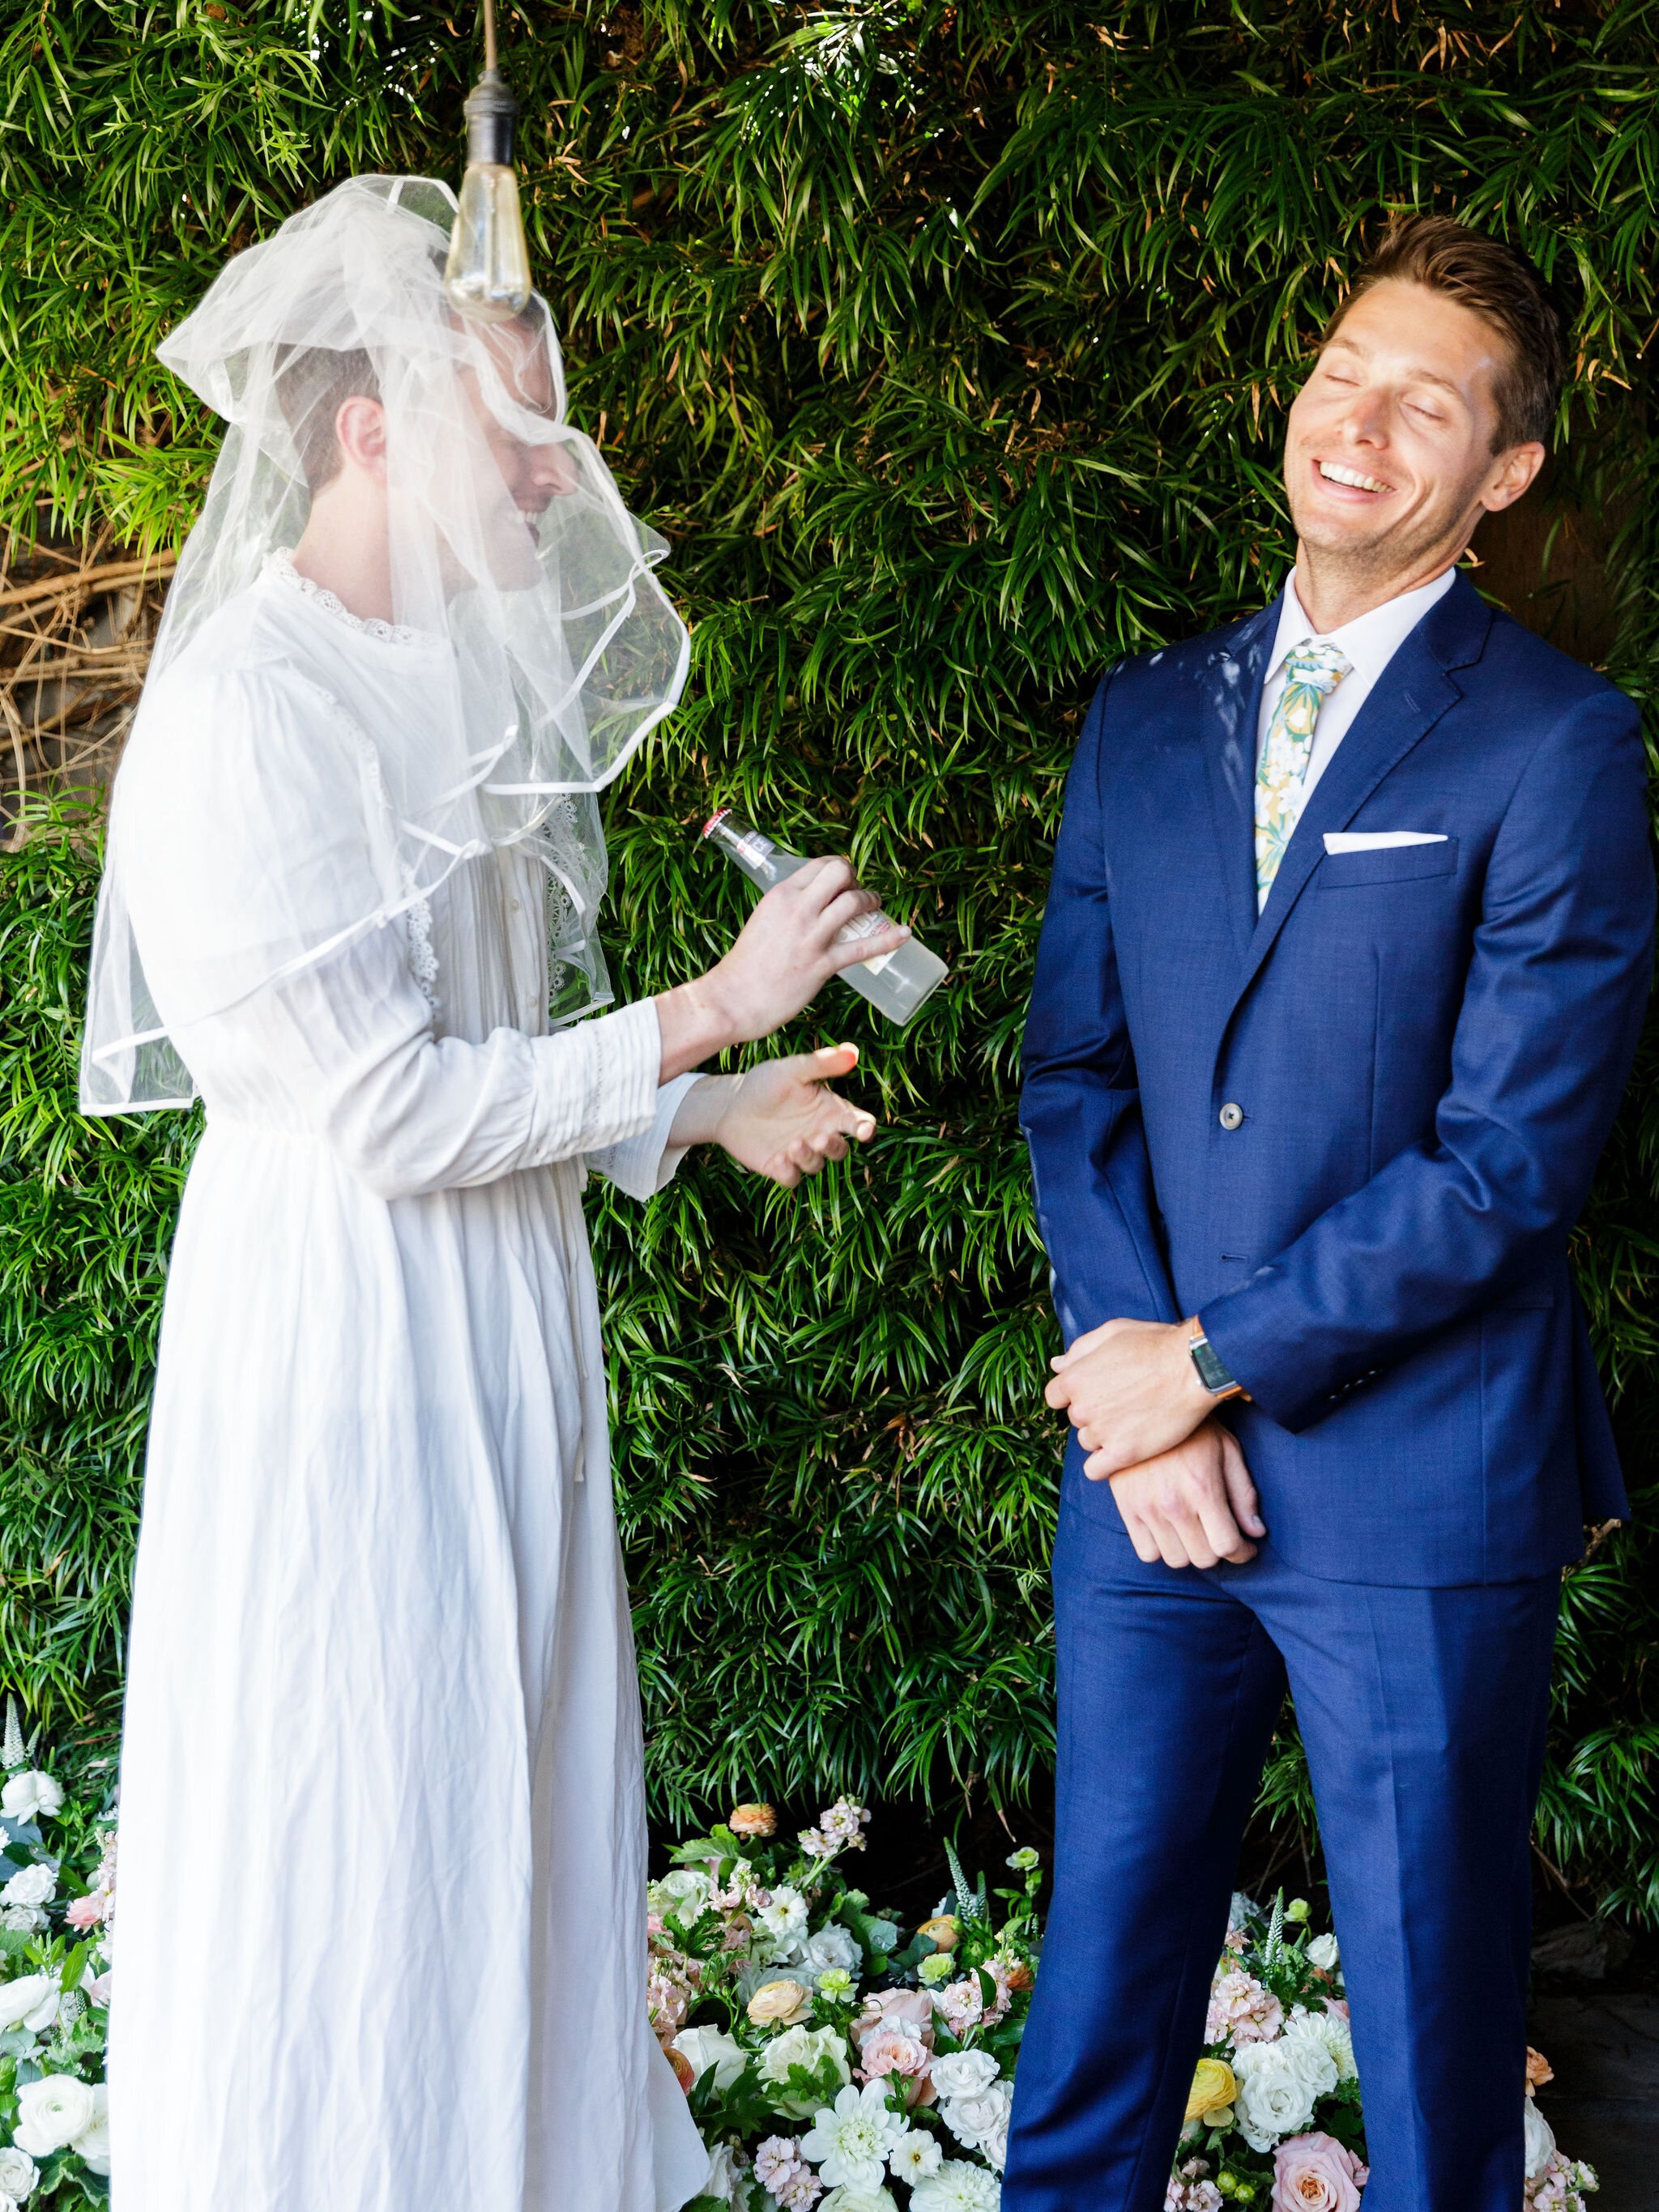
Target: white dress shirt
[1370,642]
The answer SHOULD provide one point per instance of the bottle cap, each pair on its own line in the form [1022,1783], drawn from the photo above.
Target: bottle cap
[715,821]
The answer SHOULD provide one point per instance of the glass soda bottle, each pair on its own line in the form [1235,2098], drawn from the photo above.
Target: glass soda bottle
[895,983]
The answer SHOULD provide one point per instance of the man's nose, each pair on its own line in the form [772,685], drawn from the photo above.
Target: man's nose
[1365,419]
[553,471]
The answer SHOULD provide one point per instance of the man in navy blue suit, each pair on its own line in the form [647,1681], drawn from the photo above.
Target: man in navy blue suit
[1346,955]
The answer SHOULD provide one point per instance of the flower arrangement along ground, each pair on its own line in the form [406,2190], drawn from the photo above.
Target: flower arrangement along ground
[837,2060]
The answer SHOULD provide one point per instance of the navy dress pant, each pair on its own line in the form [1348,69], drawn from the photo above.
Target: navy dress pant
[1422,1712]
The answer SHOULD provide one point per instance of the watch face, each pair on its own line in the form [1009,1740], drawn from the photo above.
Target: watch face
[1211,1373]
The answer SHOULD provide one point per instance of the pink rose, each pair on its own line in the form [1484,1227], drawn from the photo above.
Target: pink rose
[86,1912]
[1313,2173]
[895,2008]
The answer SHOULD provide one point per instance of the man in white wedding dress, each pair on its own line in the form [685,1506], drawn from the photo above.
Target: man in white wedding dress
[382,1943]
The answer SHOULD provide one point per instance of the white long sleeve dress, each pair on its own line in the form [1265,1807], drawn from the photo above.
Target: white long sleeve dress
[381,1942]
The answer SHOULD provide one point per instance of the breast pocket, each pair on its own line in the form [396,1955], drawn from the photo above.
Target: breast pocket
[1386,864]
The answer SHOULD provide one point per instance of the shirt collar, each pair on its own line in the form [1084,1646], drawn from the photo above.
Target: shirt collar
[1371,640]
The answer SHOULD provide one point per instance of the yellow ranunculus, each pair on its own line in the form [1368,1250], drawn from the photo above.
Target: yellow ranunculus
[781,2003]
[943,1932]
[1214,2087]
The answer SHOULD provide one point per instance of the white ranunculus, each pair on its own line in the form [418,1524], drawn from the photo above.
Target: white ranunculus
[807,2047]
[19,2174]
[964,2073]
[860,2200]
[1323,1954]
[92,2142]
[29,1796]
[51,2112]
[711,2047]
[957,2187]
[33,1885]
[1540,2140]
[851,2141]
[30,2002]
[981,2122]
[832,1947]
[1278,2085]
[1333,2031]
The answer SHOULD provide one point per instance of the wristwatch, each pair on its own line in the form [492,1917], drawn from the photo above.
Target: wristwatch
[1212,1372]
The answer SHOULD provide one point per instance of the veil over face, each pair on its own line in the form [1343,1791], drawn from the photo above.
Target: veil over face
[552,649]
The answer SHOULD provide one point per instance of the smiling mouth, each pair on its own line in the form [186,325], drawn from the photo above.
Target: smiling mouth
[1333,472]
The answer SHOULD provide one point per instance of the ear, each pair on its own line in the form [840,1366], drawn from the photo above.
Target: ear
[1512,473]
[359,433]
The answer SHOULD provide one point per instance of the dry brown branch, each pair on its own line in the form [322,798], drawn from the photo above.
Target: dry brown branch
[155,570]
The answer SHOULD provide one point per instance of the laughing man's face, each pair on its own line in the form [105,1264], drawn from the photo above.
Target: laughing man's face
[1389,448]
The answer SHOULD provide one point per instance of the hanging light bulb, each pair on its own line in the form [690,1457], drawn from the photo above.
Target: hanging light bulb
[487,275]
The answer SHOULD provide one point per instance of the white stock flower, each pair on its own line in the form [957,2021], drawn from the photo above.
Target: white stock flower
[51,2112]
[31,2001]
[1333,2031]
[1539,2140]
[981,2122]
[851,2140]
[1323,1954]
[29,1796]
[807,2047]
[19,2174]
[92,2142]
[832,1947]
[711,2047]
[34,1885]
[957,2187]
[914,2156]
[964,2073]
[783,1922]
[1278,2085]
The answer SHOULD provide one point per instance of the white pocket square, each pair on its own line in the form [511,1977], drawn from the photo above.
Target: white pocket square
[1378,841]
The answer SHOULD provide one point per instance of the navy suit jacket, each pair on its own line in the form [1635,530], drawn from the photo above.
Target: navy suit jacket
[1428,1045]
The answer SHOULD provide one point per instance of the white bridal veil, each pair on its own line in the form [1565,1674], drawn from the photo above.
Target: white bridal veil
[552,650]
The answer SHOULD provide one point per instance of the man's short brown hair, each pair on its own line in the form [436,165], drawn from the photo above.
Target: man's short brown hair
[1498,283]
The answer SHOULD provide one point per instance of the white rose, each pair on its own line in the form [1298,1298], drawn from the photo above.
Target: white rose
[1323,1954]
[19,2175]
[832,1947]
[809,2047]
[92,2144]
[1540,2140]
[36,1885]
[1333,2031]
[981,2122]
[711,2047]
[683,1892]
[22,1919]
[51,2112]
[724,2178]
[1278,2085]
[27,1797]
[964,2073]
[31,2002]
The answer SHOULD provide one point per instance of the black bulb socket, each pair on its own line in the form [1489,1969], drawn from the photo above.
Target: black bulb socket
[490,112]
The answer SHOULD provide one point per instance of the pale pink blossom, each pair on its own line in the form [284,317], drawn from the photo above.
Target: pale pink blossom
[87,1912]
[1242,2010]
[1315,2173]
[1190,2191]
[785,2175]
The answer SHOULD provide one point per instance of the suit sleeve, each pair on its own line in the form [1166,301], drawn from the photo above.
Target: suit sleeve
[1080,1103]
[1551,1011]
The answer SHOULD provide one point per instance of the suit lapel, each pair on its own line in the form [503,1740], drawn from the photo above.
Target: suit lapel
[1414,691]
[1232,708]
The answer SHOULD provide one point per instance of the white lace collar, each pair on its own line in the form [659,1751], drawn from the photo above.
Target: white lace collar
[281,565]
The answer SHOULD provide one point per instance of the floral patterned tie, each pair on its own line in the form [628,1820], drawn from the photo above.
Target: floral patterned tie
[1312,673]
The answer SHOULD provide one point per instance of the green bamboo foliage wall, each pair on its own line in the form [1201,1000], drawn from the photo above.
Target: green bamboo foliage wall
[948,344]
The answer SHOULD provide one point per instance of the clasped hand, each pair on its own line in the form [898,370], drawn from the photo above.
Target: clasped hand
[1130,1390]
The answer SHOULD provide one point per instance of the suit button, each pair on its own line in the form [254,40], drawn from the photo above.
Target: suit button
[1233,1117]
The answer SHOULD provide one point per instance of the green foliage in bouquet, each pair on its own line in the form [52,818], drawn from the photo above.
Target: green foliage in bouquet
[948,344]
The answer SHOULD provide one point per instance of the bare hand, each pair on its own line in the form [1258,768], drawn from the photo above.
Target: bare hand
[1131,1391]
[781,1119]
[785,954]
[1192,1506]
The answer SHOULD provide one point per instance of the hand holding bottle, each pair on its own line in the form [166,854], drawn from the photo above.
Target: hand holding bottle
[787,950]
